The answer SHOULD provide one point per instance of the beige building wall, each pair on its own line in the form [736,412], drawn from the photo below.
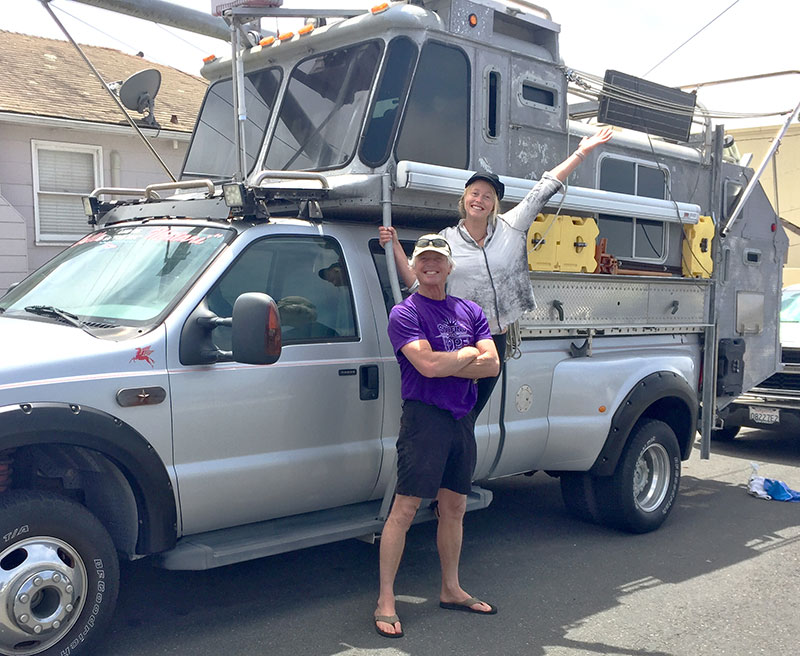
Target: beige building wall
[758,141]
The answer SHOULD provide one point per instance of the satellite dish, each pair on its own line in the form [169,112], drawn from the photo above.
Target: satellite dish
[138,93]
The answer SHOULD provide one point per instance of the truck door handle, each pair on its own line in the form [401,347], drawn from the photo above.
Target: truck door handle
[369,385]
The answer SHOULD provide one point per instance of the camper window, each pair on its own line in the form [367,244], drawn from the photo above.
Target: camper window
[631,237]
[322,111]
[212,153]
[436,122]
[392,89]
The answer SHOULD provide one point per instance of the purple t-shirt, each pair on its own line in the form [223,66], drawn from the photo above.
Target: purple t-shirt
[447,325]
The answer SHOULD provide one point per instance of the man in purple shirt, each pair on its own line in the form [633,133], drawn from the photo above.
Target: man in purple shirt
[443,344]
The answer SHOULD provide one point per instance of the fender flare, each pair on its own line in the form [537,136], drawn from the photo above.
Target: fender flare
[654,388]
[27,424]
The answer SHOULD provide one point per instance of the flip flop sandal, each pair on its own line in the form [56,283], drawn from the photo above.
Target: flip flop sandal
[388,619]
[466,606]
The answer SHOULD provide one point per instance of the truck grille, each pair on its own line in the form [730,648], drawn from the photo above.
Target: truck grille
[782,381]
[790,355]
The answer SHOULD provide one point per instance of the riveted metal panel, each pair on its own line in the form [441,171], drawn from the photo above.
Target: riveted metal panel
[604,302]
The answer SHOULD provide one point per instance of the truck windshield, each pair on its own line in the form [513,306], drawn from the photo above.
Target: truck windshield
[323,109]
[125,276]
[790,306]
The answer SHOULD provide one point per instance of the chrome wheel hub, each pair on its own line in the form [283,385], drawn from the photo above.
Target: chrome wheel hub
[42,592]
[651,478]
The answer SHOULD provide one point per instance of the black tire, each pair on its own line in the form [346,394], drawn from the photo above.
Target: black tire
[577,491]
[640,494]
[58,572]
[727,434]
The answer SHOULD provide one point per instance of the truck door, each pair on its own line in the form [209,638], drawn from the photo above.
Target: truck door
[257,442]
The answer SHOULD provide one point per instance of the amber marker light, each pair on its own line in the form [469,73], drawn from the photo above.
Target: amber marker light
[286,37]
[377,9]
[473,20]
[209,59]
[267,41]
[602,408]
[308,29]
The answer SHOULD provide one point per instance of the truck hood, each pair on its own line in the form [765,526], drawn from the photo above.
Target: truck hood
[33,352]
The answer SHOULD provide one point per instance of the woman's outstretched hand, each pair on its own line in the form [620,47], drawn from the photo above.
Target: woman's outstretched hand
[588,144]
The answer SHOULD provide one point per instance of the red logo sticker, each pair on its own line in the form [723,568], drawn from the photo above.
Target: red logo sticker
[143,355]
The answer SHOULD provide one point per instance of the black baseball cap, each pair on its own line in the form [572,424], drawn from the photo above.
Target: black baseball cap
[492,179]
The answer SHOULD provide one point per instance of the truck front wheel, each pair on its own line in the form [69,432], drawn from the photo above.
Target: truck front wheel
[640,494]
[59,575]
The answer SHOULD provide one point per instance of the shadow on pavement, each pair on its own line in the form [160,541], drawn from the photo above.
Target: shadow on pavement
[546,572]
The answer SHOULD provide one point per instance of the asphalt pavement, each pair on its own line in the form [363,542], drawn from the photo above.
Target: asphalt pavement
[720,577]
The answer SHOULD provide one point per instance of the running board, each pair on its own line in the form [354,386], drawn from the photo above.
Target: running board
[241,543]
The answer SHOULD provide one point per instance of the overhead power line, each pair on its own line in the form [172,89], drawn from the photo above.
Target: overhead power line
[690,38]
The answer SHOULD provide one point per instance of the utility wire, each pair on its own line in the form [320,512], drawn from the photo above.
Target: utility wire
[689,39]
[94,27]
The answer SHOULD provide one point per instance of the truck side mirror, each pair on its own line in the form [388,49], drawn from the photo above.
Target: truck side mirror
[256,329]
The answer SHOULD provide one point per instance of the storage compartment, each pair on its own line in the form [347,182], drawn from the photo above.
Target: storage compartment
[576,244]
[562,243]
[542,244]
[696,248]
[730,368]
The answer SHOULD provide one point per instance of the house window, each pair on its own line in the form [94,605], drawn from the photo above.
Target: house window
[62,174]
[632,238]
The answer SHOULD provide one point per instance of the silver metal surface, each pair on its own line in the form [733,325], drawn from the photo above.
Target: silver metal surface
[43,587]
[651,478]
[599,301]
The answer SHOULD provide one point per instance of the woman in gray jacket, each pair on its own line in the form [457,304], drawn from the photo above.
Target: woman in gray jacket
[489,249]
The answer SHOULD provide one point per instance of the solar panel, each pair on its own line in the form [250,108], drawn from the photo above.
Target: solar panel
[634,103]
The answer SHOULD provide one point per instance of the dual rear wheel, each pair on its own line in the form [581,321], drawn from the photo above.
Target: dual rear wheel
[639,495]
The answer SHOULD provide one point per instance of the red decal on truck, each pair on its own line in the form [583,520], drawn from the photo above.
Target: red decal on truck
[143,355]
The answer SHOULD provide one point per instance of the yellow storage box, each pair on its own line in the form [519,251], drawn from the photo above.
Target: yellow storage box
[542,244]
[576,244]
[696,259]
[562,243]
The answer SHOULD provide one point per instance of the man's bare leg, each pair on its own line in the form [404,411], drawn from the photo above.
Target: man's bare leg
[449,536]
[393,541]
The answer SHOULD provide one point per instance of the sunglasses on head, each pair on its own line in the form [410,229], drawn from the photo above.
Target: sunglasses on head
[436,243]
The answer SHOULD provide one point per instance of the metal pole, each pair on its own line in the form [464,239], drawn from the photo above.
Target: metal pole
[167,13]
[46,5]
[386,206]
[239,110]
[751,186]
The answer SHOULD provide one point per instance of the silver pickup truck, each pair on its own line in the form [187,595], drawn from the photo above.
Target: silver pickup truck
[140,414]
[206,378]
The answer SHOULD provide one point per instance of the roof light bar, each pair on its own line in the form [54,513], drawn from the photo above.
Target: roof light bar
[378,9]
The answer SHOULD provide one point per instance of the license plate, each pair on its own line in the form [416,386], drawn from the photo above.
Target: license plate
[764,415]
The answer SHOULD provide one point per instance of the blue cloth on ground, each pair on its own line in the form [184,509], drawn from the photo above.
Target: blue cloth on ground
[779,491]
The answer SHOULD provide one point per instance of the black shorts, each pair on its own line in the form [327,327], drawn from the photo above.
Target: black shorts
[434,451]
